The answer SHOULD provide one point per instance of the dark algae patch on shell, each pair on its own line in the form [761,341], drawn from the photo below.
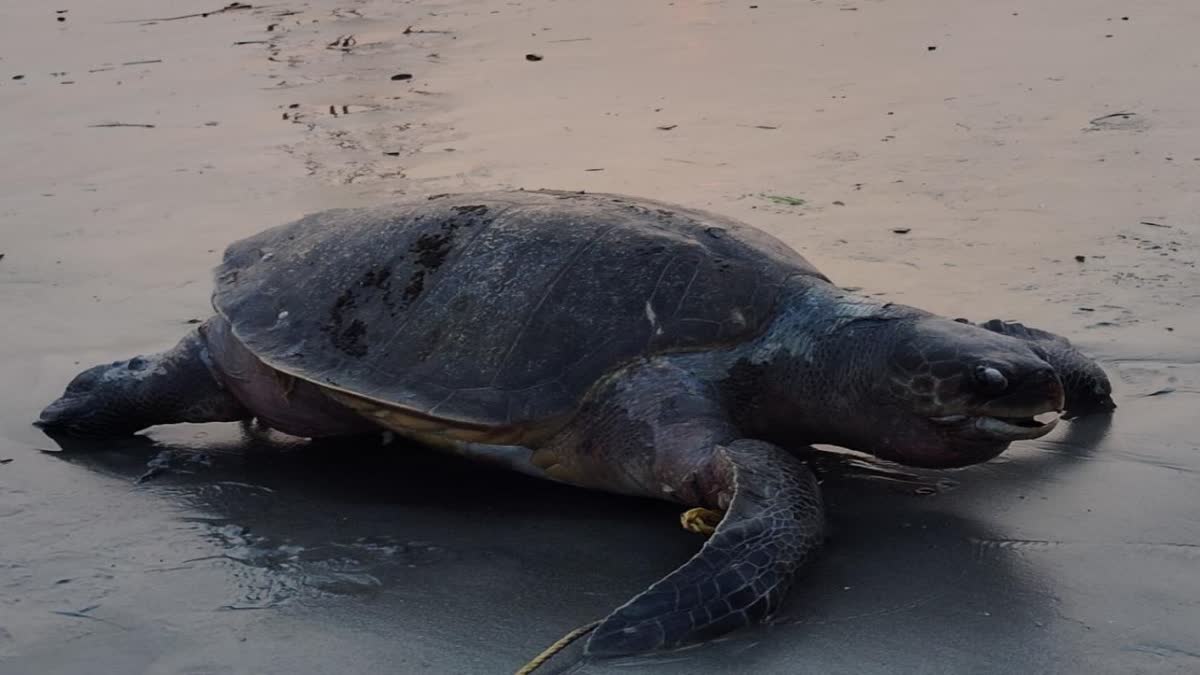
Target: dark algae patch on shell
[346,335]
[431,249]
[428,252]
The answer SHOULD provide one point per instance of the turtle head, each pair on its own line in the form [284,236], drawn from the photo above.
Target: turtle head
[124,397]
[947,394]
[99,402]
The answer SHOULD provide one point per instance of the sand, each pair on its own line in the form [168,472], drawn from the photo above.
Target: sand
[1018,159]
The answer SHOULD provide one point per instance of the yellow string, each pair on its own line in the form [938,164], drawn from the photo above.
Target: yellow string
[557,647]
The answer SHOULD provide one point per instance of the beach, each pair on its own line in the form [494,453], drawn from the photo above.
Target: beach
[1010,160]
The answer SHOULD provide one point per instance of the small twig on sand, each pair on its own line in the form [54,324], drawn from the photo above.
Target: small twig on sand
[572,40]
[1101,118]
[219,556]
[410,30]
[1147,222]
[77,613]
[83,614]
[343,43]
[120,124]
[231,7]
[141,63]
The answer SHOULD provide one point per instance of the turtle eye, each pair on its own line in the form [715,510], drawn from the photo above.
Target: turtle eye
[990,379]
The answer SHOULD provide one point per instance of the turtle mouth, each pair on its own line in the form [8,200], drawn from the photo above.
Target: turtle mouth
[1000,427]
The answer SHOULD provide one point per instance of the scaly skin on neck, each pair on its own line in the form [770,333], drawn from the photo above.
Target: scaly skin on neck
[891,380]
[810,374]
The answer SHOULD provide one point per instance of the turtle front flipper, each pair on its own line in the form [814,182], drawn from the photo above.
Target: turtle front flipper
[774,522]
[1086,386]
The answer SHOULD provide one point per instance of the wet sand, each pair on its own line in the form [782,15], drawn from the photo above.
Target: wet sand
[984,160]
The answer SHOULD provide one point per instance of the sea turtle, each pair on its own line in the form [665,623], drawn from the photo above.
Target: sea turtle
[604,341]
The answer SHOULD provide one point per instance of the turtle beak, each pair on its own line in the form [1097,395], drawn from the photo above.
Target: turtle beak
[1038,392]
[1022,410]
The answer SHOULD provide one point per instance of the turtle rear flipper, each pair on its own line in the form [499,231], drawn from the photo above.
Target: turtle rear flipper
[774,523]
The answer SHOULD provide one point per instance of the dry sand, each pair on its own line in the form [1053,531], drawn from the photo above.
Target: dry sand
[1042,160]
